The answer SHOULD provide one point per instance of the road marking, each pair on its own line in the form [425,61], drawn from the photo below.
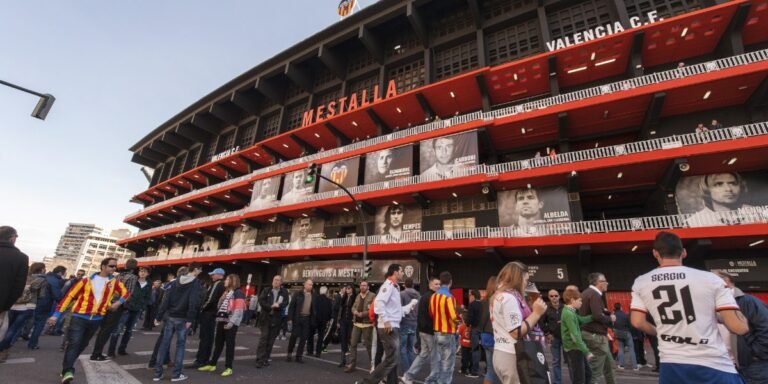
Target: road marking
[20,360]
[151,333]
[129,367]
[237,348]
[106,372]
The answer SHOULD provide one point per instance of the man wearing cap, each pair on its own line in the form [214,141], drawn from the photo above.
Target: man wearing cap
[207,319]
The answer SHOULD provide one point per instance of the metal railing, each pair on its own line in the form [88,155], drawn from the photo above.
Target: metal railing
[675,141]
[623,85]
[743,216]
[724,134]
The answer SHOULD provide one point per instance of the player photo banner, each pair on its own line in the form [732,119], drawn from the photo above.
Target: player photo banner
[306,231]
[295,188]
[443,156]
[389,164]
[344,172]
[525,208]
[398,223]
[244,236]
[264,193]
[706,197]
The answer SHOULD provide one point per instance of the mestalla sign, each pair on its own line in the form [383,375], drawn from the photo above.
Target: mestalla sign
[347,104]
[345,271]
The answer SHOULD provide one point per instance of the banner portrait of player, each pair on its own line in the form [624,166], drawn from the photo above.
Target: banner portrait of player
[265,193]
[176,249]
[523,209]
[243,236]
[398,223]
[294,187]
[389,164]
[305,231]
[210,243]
[443,156]
[705,196]
[344,172]
[193,246]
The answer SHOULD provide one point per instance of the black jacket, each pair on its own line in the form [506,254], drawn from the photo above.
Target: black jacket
[14,266]
[211,303]
[475,314]
[324,308]
[342,308]
[550,322]
[271,315]
[753,345]
[423,319]
[485,321]
[294,310]
[181,300]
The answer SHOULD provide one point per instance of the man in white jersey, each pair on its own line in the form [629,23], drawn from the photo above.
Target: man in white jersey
[686,305]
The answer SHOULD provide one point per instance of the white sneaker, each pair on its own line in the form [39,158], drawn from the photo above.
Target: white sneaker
[405,380]
[619,367]
[180,377]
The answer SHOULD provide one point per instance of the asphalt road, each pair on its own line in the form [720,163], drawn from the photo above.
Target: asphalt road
[44,365]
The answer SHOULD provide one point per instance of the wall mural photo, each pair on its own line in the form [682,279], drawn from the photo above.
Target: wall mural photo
[704,196]
[524,209]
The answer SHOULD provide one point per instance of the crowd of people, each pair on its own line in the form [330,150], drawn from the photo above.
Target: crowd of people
[701,327]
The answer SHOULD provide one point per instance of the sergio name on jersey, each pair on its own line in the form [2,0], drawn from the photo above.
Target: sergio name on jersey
[683,303]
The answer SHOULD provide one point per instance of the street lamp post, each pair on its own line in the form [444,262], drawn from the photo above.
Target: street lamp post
[311,178]
[43,105]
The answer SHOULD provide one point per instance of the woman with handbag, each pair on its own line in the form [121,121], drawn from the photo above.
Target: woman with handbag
[228,318]
[486,332]
[508,323]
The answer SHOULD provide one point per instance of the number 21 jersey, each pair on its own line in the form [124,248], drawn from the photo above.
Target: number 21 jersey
[683,303]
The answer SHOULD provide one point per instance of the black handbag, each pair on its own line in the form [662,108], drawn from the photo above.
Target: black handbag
[532,366]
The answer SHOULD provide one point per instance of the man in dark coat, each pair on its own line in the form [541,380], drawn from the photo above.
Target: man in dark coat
[207,317]
[343,315]
[324,310]
[14,266]
[273,301]
[302,314]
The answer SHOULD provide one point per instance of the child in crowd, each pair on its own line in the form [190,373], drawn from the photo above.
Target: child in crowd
[465,341]
[573,345]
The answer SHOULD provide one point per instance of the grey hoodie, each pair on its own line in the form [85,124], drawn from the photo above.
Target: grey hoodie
[406,296]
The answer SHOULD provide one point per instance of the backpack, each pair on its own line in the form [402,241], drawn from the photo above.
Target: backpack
[35,285]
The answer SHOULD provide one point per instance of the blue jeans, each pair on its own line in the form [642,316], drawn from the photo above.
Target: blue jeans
[125,325]
[78,336]
[631,346]
[426,356]
[16,321]
[172,326]
[40,318]
[445,346]
[556,348]
[407,340]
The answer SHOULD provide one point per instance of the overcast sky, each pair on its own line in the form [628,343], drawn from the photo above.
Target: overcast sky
[118,69]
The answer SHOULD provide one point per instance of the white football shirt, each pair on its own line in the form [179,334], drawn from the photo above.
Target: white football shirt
[505,318]
[683,303]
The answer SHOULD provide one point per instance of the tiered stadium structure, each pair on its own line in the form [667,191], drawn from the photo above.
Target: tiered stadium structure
[565,134]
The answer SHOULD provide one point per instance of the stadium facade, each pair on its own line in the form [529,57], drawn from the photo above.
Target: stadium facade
[565,134]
